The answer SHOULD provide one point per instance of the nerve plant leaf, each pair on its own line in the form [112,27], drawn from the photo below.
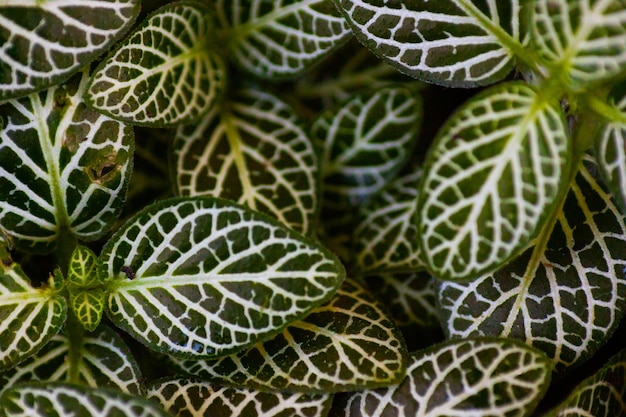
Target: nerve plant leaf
[99,359]
[459,43]
[564,296]
[280,38]
[255,152]
[62,399]
[491,178]
[165,73]
[212,277]
[63,167]
[469,378]
[347,344]
[45,42]
[184,397]
[582,39]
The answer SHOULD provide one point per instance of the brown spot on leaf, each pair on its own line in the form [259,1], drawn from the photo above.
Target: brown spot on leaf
[103,169]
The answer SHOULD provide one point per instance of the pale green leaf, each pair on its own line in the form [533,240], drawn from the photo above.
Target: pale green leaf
[469,378]
[565,296]
[190,397]
[63,167]
[82,271]
[491,178]
[254,151]
[345,345]
[45,42]
[461,43]
[212,277]
[100,360]
[88,306]
[165,73]
[280,38]
[61,400]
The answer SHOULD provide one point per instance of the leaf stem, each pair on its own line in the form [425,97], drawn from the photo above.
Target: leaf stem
[75,334]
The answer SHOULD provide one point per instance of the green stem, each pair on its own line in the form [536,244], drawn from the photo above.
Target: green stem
[75,334]
[66,243]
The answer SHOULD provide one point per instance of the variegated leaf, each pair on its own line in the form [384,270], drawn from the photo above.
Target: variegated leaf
[469,378]
[201,399]
[29,316]
[565,296]
[45,42]
[212,277]
[280,38]
[344,345]
[63,167]
[165,73]
[254,151]
[491,178]
[82,271]
[62,399]
[100,360]
[88,306]
[581,39]
[461,43]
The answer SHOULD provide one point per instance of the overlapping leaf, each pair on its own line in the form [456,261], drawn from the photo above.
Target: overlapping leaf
[344,345]
[469,378]
[86,296]
[45,42]
[212,277]
[280,38]
[165,73]
[100,360]
[565,297]
[491,178]
[256,153]
[581,38]
[192,397]
[63,167]
[30,316]
[61,400]
[460,43]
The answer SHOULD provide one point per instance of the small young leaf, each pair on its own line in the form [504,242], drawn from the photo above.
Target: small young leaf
[88,306]
[45,42]
[61,400]
[491,178]
[565,296]
[82,271]
[457,43]
[188,397]
[469,378]
[212,277]
[280,38]
[345,345]
[165,73]
[256,153]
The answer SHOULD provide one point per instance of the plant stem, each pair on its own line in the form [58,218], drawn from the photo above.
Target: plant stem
[75,334]
[66,243]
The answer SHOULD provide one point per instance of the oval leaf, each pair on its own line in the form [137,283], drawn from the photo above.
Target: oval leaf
[184,397]
[212,277]
[491,178]
[45,42]
[165,73]
[457,43]
[255,153]
[82,271]
[472,378]
[565,297]
[63,167]
[88,306]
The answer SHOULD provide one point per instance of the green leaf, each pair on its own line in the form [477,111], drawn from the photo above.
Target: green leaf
[82,271]
[100,360]
[191,397]
[254,151]
[61,400]
[88,306]
[458,43]
[601,395]
[45,42]
[63,167]
[475,377]
[280,38]
[29,316]
[565,296]
[212,277]
[347,344]
[165,73]
[491,178]
[583,39]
